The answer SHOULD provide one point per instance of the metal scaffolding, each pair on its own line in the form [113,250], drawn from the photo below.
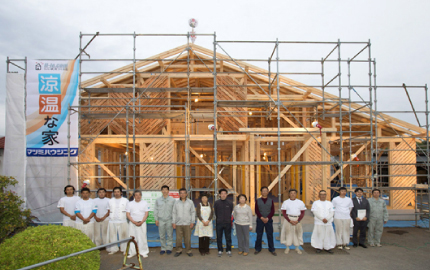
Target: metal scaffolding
[327,106]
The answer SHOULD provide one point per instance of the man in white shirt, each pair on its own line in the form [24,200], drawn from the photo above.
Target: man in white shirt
[118,227]
[101,217]
[323,234]
[137,213]
[293,211]
[85,210]
[67,206]
[342,218]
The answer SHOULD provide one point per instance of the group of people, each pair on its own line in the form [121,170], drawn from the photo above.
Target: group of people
[104,220]
[359,213]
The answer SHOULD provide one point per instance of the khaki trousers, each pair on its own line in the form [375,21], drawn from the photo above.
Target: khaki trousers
[183,231]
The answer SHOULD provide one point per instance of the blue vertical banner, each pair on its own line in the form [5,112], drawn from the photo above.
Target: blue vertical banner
[51,87]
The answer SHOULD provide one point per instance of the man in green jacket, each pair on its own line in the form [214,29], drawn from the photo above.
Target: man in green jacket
[378,217]
[163,209]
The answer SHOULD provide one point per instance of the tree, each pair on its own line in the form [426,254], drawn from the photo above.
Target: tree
[13,217]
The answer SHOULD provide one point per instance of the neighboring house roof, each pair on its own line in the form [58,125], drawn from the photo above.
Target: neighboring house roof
[2,140]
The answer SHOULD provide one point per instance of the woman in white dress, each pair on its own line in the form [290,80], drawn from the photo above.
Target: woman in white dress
[204,229]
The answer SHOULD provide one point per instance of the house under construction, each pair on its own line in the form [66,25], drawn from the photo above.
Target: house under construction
[202,119]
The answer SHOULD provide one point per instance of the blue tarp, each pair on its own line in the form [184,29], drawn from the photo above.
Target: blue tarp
[154,238]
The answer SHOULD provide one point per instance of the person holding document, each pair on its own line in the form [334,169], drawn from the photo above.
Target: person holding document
[360,215]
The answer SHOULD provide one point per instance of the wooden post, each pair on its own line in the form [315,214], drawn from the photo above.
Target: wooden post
[252,172]
[247,167]
[258,155]
[242,168]
[234,171]
[324,157]
[304,121]
[391,172]
[305,197]
[333,125]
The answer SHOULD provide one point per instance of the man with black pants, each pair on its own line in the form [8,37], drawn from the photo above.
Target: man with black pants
[264,209]
[362,206]
[223,210]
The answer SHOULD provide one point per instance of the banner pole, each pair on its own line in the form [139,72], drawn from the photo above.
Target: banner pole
[68,145]
[25,137]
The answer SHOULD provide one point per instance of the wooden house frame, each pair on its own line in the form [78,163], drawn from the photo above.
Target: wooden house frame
[145,125]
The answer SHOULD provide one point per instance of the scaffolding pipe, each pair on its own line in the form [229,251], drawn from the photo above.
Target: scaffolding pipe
[376,163]
[215,121]
[371,112]
[279,135]
[427,147]
[134,112]
[340,114]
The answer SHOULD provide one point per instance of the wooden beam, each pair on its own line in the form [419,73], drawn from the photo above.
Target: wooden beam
[110,173]
[286,119]
[296,156]
[108,84]
[350,158]
[285,131]
[209,167]
[265,97]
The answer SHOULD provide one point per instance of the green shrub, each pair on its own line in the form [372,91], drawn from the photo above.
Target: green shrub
[13,218]
[43,243]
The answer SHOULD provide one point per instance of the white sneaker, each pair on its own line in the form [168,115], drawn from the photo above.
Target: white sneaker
[130,256]
[339,247]
[372,245]
[378,245]
[229,253]
[287,250]
[219,253]
[112,252]
[347,248]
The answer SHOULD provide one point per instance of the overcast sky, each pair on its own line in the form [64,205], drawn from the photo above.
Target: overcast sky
[398,30]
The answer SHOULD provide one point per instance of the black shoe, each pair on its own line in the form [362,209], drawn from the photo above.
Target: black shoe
[318,251]
[190,254]
[274,253]
[177,254]
[256,252]
[355,245]
[363,246]
[329,251]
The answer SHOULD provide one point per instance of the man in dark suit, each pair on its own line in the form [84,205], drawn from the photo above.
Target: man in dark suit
[360,224]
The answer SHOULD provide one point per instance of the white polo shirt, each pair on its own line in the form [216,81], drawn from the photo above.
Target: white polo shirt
[102,207]
[293,208]
[342,207]
[137,210]
[68,203]
[85,208]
